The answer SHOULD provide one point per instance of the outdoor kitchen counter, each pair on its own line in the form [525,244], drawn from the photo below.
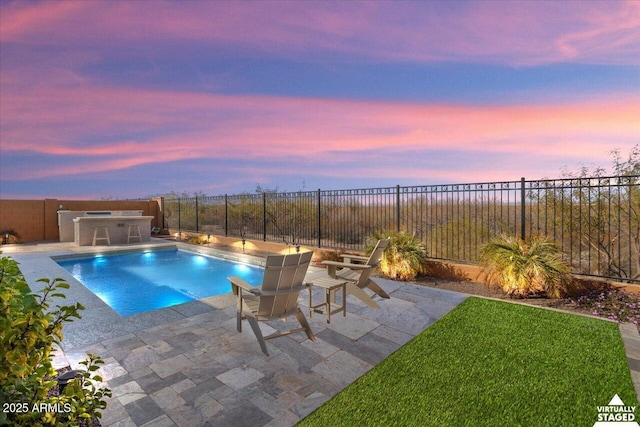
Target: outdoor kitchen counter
[118,226]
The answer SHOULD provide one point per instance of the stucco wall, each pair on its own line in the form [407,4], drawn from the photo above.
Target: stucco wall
[26,217]
[37,220]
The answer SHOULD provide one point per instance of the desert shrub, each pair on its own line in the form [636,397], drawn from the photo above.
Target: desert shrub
[29,327]
[526,267]
[404,258]
[613,304]
[195,239]
[9,236]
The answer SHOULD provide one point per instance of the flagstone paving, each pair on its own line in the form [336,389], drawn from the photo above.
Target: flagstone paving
[188,366]
[200,371]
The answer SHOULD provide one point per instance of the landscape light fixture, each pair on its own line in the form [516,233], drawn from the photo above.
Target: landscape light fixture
[65,377]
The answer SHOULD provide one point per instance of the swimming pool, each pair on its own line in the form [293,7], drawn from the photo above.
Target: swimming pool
[133,283]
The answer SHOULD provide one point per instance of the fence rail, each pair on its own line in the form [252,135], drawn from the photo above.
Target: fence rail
[595,220]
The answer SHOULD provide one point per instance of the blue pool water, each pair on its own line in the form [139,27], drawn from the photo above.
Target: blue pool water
[133,283]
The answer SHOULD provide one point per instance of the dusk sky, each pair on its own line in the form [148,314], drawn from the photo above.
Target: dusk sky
[128,99]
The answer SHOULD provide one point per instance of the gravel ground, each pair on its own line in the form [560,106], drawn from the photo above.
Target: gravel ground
[481,289]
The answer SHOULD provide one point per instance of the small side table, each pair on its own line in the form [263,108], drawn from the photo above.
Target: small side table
[329,285]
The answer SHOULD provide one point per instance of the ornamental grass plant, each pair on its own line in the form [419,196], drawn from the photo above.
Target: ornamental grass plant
[404,258]
[525,267]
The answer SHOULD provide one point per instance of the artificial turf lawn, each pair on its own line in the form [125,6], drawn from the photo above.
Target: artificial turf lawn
[491,363]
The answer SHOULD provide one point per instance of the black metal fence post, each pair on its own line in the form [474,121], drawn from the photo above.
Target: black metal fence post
[264,217]
[179,209]
[226,216]
[197,222]
[523,213]
[398,208]
[319,221]
[163,211]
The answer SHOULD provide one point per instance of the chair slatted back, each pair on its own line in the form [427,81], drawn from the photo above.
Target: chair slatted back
[283,272]
[376,255]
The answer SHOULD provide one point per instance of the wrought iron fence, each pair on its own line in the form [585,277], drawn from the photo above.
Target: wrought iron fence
[595,220]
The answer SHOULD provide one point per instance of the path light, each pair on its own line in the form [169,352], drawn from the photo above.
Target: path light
[208,237]
[244,241]
[65,377]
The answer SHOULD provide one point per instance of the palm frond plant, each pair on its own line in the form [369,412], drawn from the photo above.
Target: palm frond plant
[405,257]
[524,268]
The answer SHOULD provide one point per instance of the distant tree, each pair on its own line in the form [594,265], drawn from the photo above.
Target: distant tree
[245,214]
[260,190]
[604,211]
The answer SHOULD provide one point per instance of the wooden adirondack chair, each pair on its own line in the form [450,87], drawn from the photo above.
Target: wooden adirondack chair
[357,269]
[277,298]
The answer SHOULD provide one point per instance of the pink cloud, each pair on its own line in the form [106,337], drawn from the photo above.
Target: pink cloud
[612,37]
[176,126]
[503,32]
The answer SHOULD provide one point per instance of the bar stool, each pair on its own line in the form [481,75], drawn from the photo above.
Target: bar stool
[104,236]
[136,235]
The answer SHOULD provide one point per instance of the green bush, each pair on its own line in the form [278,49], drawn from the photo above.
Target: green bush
[526,267]
[29,327]
[404,258]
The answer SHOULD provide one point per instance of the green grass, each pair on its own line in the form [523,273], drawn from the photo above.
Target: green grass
[491,363]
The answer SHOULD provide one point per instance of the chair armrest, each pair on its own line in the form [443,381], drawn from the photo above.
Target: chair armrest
[333,265]
[349,258]
[237,283]
[284,291]
[346,265]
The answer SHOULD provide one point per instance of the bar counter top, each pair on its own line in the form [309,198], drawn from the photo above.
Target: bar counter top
[118,226]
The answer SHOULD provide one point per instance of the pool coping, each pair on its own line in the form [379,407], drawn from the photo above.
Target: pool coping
[217,253]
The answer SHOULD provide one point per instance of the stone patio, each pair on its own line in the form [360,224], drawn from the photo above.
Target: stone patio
[201,371]
[188,366]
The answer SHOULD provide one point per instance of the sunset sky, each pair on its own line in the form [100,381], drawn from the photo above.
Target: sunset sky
[127,99]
